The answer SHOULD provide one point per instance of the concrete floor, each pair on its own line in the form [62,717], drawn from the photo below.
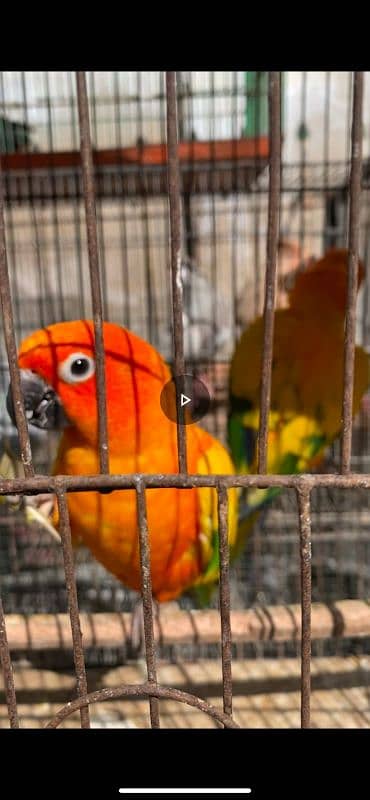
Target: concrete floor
[266,694]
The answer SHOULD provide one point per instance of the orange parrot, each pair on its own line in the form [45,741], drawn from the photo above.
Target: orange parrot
[59,388]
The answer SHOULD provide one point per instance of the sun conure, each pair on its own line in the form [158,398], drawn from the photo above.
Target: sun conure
[59,387]
[307,378]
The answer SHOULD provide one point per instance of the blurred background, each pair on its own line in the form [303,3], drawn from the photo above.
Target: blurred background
[224,148]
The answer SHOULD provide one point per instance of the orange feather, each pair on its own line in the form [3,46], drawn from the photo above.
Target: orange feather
[141,439]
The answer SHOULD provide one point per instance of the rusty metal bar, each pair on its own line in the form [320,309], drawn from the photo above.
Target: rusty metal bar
[306,599]
[78,655]
[352,276]
[146,591]
[92,483]
[226,643]
[177,293]
[145,690]
[6,664]
[93,251]
[11,347]
[270,282]
[282,623]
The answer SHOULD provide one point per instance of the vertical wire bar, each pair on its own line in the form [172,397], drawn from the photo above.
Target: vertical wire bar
[166,220]
[11,347]
[352,276]
[95,118]
[305,558]
[148,269]
[93,251]
[121,207]
[146,591]
[270,283]
[175,231]
[302,167]
[213,225]
[329,239]
[69,570]
[54,203]
[348,131]
[11,700]
[77,250]
[256,200]
[329,236]
[257,235]
[226,643]
[235,208]
[33,224]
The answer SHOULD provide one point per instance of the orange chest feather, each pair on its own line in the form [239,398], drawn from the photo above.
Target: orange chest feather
[107,524]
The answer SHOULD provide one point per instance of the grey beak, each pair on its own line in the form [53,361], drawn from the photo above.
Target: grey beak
[42,405]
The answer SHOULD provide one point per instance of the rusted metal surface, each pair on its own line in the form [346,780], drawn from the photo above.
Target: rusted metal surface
[11,347]
[144,690]
[146,592]
[65,534]
[352,278]
[7,668]
[283,623]
[176,280]
[93,251]
[270,280]
[91,483]
[225,599]
[305,555]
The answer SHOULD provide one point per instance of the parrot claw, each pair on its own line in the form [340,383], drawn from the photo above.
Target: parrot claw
[137,638]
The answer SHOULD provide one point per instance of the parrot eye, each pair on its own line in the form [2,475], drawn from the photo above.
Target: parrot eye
[76,368]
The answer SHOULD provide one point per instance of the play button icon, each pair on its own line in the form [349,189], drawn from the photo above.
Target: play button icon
[191,395]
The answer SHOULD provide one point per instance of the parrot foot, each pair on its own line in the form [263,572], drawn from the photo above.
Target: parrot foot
[137,639]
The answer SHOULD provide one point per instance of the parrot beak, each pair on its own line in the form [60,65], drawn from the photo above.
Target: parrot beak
[42,405]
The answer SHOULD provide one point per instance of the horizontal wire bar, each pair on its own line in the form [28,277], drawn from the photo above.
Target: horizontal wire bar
[90,483]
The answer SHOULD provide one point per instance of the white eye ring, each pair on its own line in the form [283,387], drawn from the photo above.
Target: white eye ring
[76,368]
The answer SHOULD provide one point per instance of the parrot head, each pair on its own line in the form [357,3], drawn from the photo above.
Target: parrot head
[58,379]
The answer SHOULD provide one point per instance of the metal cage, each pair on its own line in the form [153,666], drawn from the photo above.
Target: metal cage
[277,623]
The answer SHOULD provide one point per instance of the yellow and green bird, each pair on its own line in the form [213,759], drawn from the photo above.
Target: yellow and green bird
[307,379]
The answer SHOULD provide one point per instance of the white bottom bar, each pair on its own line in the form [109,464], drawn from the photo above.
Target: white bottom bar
[184,791]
